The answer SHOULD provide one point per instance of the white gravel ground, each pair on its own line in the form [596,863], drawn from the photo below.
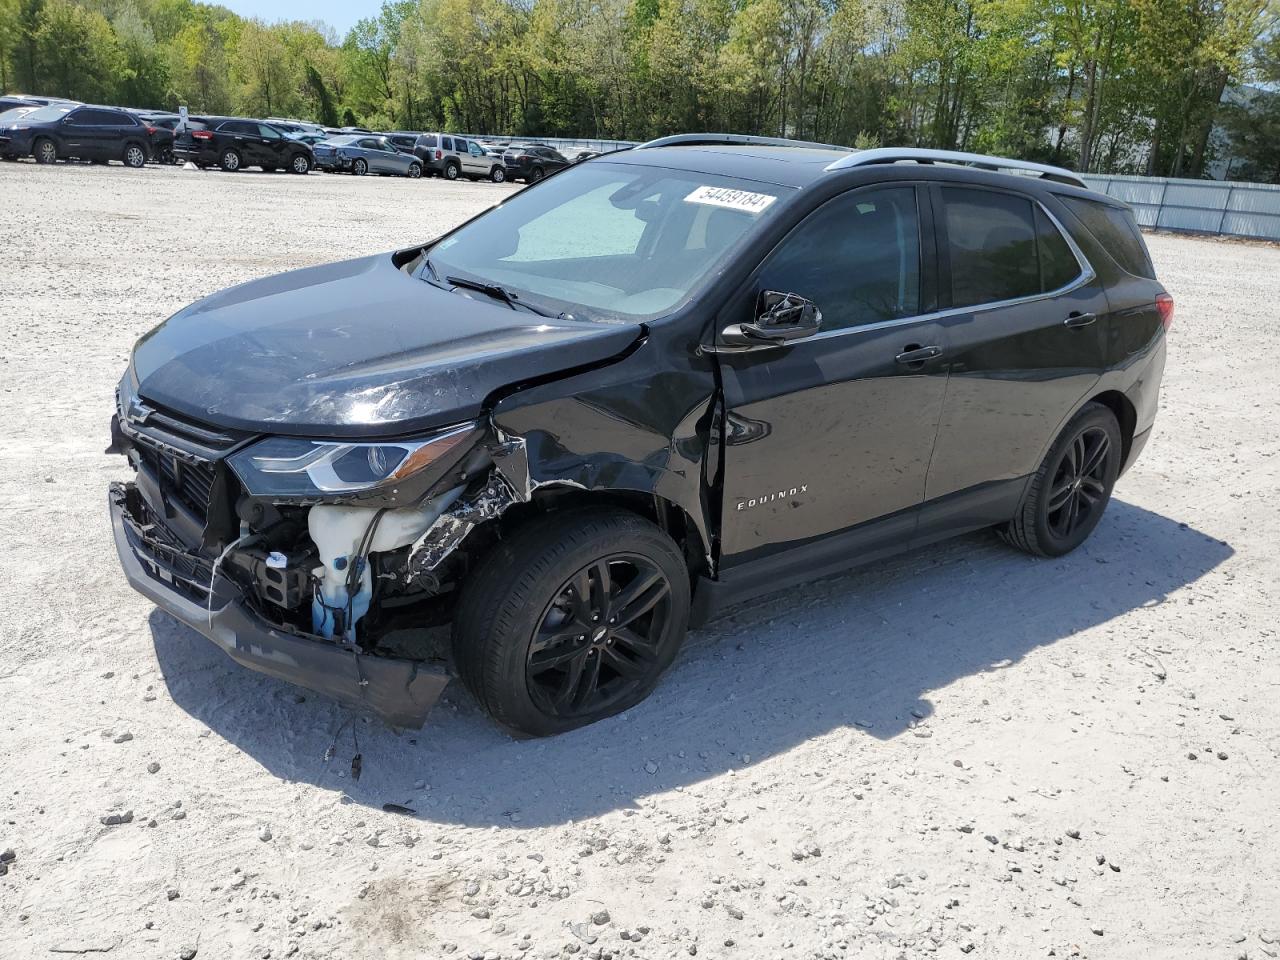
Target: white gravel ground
[963,750]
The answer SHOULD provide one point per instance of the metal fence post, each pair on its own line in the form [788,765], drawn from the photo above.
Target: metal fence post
[1225,207]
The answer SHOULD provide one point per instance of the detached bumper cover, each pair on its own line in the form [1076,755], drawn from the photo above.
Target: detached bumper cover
[401,692]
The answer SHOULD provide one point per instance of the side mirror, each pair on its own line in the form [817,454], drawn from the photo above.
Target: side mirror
[781,318]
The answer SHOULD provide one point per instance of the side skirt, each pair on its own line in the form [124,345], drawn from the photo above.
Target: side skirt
[963,512]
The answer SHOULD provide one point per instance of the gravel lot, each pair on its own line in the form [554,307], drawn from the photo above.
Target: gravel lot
[962,751]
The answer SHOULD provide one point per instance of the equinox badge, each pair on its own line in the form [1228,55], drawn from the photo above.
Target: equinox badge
[771,497]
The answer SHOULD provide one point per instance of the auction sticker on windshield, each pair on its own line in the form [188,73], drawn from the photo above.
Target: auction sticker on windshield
[733,199]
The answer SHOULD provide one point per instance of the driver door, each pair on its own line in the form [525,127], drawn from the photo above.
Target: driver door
[832,433]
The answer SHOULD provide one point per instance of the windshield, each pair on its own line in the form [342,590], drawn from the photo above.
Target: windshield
[612,241]
[340,141]
[47,113]
[16,113]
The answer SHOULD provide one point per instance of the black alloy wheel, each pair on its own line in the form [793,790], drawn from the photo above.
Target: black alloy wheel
[571,618]
[1066,497]
[600,637]
[536,174]
[415,171]
[360,167]
[1080,483]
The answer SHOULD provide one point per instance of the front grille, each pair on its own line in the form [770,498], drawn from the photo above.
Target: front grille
[190,482]
[160,552]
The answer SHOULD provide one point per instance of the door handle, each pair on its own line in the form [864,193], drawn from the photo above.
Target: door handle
[914,355]
[1075,320]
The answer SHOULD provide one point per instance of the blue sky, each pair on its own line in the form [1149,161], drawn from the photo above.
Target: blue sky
[339,14]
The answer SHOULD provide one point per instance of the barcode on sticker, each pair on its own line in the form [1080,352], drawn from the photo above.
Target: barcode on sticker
[733,199]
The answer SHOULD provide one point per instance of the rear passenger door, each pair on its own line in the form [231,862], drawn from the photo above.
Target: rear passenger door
[1021,309]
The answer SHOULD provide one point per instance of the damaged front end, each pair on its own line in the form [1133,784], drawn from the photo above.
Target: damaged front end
[324,563]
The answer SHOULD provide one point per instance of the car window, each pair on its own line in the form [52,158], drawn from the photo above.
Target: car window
[1058,264]
[45,114]
[236,126]
[643,238]
[269,133]
[474,150]
[991,241]
[1116,230]
[93,118]
[857,257]
[447,142]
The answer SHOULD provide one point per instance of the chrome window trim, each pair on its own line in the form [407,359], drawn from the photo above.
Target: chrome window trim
[1087,275]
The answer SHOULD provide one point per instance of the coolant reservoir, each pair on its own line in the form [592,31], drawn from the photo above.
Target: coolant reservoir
[337,532]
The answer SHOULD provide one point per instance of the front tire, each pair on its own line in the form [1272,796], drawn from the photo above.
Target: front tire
[570,620]
[1068,494]
[415,171]
[360,167]
[44,150]
[498,175]
[230,161]
[299,164]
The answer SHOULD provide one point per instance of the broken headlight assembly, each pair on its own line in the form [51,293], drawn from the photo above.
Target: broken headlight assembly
[294,467]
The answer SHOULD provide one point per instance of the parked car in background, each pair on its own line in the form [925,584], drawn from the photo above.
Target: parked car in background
[404,140]
[450,156]
[532,162]
[160,130]
[233,143]
[10,100]
[366,154]
[82,132]
[297,126]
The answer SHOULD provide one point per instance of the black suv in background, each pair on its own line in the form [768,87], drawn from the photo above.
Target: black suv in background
[532,162]
[660,383]
[233,143]
[82,132]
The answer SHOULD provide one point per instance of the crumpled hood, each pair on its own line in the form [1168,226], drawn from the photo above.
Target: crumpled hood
[354,349]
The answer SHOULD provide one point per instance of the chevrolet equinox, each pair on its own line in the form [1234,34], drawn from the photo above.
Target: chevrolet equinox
[655,384]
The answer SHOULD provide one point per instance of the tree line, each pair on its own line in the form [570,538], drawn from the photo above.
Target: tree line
[1162,87]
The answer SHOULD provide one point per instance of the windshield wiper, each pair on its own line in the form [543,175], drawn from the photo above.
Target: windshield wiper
[497,292]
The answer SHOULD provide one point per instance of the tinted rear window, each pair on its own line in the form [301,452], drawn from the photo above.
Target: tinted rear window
[1116,230]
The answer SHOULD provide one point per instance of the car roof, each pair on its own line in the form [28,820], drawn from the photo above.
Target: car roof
[784,166]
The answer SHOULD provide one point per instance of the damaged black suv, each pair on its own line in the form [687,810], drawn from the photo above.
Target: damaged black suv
[655,384]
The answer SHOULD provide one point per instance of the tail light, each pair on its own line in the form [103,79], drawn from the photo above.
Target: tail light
[151,131]
[201,134]
[439,155]
[1164,303]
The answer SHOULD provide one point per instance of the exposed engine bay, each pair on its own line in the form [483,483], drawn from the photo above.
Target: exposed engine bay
[341,542]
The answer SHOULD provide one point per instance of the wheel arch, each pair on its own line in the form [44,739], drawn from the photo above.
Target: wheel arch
[1125,414]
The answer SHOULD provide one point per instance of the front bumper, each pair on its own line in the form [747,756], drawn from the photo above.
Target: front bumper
[401,692]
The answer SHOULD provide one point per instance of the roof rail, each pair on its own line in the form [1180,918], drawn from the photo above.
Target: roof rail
[708,139]
[982,161]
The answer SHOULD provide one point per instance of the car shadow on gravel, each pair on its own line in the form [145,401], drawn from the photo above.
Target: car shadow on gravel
[860,651]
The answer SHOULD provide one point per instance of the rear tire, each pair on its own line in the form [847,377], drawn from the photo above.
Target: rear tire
[230,161]
[536,174]
[134,156]
[451,170]
[44,150]
[516,643]
[1067,496]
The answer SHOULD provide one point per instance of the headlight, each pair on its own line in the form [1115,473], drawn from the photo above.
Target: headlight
[294,467]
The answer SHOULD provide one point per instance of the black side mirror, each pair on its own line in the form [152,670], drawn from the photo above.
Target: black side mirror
[781,318]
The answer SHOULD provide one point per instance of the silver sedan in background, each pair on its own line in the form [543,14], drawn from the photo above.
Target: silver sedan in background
[366,153]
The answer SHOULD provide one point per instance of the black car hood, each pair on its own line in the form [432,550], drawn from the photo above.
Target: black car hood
[354,349]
